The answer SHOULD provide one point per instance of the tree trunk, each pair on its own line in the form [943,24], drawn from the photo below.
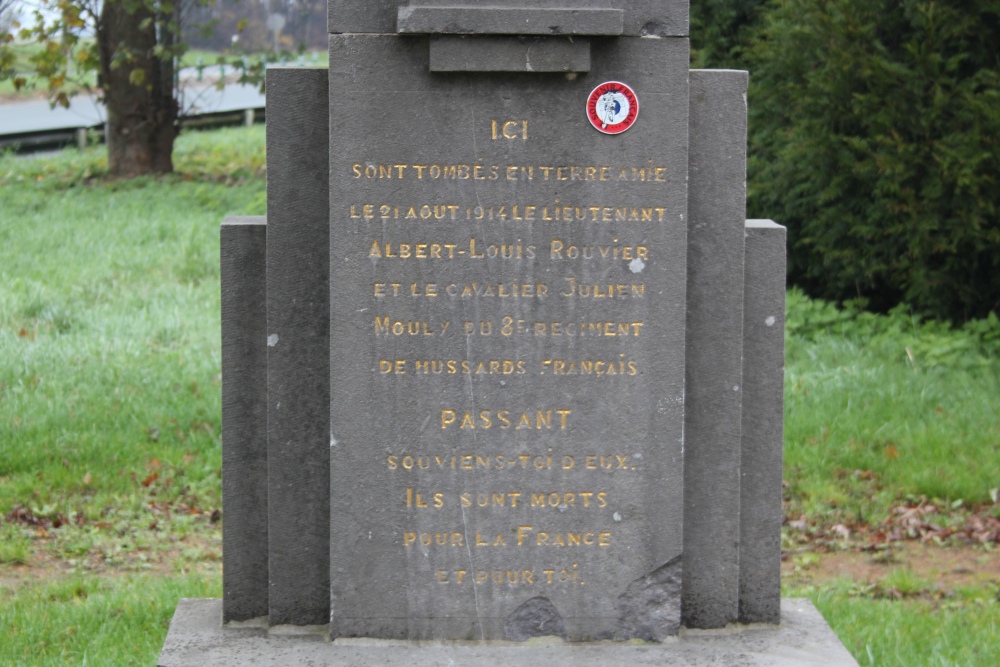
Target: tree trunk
[138,89]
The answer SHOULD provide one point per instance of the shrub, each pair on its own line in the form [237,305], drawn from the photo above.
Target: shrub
[721,28]
[874,134]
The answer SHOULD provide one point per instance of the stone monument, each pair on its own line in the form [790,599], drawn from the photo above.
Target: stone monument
[505,360]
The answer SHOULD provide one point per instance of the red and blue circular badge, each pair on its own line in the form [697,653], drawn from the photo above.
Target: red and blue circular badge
[612,107]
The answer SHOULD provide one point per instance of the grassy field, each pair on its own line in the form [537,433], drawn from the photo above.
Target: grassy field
[913,407]
[109,429]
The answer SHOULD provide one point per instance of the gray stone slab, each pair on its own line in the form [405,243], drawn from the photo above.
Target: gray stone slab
[660,18]
[298,411]
[455,198]
[244,418]
[495,20]
[509,54]
[717,211]
[656,18]
[763,422]
[196,639]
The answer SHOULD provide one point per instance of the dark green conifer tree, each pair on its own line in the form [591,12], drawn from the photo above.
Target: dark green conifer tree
[876,138]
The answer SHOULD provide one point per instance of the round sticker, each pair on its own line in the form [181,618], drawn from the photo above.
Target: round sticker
[612,107]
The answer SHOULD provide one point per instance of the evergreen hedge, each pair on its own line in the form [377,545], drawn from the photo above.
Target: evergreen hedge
[875,137]
[720,29]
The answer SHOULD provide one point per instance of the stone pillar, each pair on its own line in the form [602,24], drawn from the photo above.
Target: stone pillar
[714,392]
[244,419]
[763,423]
[298,345]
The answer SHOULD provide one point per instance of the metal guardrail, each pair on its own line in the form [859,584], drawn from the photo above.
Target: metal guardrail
[34,125]
[81,137]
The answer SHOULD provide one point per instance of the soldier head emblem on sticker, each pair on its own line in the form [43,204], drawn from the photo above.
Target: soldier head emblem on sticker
[612,107]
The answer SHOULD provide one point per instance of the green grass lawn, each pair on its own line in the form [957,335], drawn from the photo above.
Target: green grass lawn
[109,419]
[914,407]
[890,633]
[109,396]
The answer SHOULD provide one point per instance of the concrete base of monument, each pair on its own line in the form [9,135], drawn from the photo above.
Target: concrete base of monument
[197,639]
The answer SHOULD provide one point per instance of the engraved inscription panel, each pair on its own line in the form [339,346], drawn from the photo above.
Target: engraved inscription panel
[507,318]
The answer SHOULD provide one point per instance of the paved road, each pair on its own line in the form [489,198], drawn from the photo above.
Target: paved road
[197,99]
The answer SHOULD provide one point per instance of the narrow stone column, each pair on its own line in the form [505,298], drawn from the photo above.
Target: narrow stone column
[713,392]
[298,345]
[763,423]
[244,419]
